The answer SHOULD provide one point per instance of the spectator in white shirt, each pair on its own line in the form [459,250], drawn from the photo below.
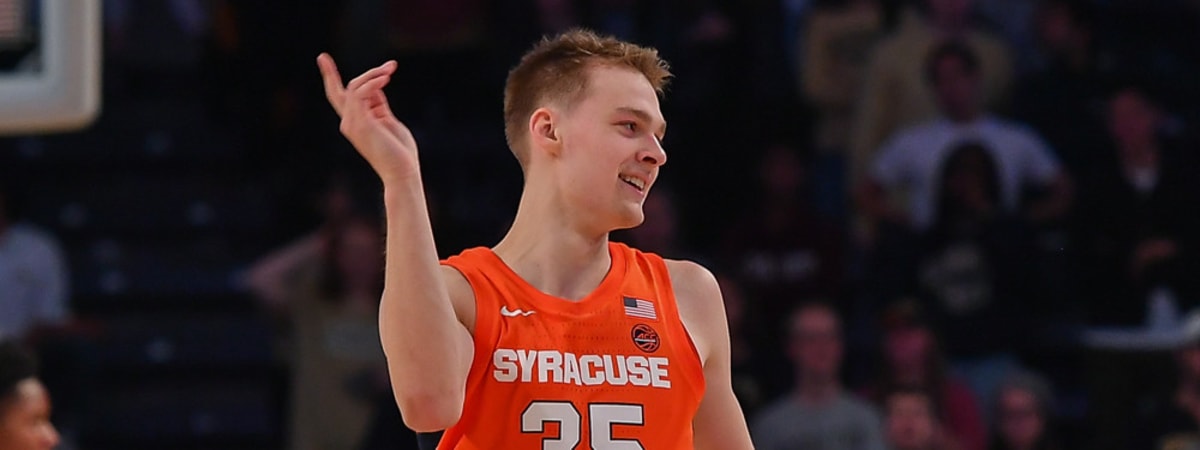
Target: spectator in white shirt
[33,277]
[911,160]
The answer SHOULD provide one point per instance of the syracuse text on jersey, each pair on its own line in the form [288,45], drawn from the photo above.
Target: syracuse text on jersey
[552,366]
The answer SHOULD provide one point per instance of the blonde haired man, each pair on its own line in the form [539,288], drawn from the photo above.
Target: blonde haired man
[555,338]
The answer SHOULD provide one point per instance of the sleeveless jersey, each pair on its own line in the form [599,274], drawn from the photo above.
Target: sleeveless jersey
[616,370]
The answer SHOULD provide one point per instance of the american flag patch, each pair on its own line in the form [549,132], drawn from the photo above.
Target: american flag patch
[636,307]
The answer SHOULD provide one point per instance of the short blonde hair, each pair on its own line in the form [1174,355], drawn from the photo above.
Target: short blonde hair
[555,70]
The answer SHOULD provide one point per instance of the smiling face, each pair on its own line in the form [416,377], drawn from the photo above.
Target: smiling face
[607,148]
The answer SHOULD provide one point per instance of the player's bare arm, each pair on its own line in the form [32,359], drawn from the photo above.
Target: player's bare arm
[428,379]
[719,423]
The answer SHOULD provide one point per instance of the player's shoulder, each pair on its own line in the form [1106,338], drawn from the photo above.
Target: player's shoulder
[690,272]
[695,286]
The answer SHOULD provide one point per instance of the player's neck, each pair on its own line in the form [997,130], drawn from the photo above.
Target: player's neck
[550,253]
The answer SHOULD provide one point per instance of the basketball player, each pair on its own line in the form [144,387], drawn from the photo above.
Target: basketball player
[555,338]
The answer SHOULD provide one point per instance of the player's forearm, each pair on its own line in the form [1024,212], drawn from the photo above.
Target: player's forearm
[427,348]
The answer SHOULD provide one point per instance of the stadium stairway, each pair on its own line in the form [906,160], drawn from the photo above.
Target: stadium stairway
[157,218]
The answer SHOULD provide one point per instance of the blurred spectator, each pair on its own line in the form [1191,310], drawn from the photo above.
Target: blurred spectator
[896,93]
[1173,421]
[748,370]
[839,38]
[780,250]
[1138,219]
[329,286]
[659,232]
[1024,404]
[971,269]
[912,421]
[33,273]
[974,265]
[24,403]
[1013,21]
[1064,98]
[913,359]
[819,414]
[911,159]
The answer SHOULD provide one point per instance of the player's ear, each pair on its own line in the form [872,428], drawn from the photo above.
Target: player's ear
[543,131]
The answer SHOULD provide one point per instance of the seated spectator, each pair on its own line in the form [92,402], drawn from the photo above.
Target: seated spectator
[746,360]
[839,37]
[1139,224]
[819,413]
[895,94]
[974,273]
[781,250]
[1023,409]
[912,421]
[24,403]
[973,254]
[913,359]
[33,274]
[911,159]
[329,288]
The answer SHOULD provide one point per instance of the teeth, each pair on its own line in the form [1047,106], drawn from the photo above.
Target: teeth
[641,185]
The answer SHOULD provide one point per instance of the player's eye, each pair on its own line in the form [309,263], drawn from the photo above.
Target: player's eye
[630,126]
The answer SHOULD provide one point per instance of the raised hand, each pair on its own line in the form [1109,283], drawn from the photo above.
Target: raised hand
[367,120]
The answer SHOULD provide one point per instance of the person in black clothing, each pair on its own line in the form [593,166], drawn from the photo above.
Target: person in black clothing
[1139,222]
[1064,98]
[972,270]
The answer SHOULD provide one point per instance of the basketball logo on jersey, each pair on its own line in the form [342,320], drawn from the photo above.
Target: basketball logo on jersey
[645,338]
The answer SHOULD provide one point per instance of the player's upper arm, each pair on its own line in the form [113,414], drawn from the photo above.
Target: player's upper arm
[719,423]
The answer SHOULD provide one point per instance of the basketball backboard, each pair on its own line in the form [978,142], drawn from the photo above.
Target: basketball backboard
[49,65]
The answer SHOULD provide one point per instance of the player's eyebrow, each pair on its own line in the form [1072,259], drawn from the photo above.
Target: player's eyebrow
[645,117]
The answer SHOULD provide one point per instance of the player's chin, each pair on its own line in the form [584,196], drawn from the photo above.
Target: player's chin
[628,216]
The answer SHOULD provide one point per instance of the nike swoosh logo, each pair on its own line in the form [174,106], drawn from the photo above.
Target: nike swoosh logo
[506,313]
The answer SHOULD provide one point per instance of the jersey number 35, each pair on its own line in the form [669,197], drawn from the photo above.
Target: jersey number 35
[601,418]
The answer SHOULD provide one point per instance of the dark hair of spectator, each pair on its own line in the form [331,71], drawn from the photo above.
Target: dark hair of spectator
[16,365]
[935,405]
[950,49]
[966,156]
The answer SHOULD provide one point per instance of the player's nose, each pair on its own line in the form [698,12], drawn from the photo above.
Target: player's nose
[653,153]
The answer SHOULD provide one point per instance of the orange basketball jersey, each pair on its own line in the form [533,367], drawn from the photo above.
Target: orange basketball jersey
[613,371]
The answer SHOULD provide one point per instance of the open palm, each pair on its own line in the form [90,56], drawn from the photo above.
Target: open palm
[367,120]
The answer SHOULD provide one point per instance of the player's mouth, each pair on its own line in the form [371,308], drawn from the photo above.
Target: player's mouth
[635,182]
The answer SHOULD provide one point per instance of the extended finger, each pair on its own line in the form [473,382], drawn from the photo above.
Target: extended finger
[384,69]
[335,91]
